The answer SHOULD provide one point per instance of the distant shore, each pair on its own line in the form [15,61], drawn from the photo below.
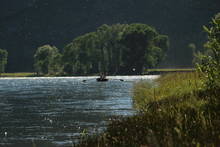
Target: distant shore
[158,71]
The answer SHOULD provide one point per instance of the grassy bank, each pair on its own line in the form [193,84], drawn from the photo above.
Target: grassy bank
[174,111]
[171,69]
[21,74]
[158,71]
[148,71]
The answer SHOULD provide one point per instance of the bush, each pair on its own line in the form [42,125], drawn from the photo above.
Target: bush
[210,64]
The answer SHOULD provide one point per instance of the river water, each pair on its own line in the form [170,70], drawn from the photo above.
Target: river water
[57,110]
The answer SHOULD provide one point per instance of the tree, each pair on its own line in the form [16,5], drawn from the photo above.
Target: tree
[115,49]
[192,48]
[81,56]
[144,47]
[94,52]
[210,64]
[47,60]
[110,47]
[3,60]
[156,51]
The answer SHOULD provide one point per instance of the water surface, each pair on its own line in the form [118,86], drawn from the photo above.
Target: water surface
[57,110]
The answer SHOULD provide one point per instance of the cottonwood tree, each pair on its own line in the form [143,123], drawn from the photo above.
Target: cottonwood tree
[116,49]
[47,60]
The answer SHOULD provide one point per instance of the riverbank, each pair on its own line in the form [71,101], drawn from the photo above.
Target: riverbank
[160,71]
[146,72]
[176,111]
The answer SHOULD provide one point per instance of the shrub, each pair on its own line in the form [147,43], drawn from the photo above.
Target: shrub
[210,63]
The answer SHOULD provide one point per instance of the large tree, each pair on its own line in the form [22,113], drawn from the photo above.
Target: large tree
[116,49]
[144,48]
[47,60]
[3,60]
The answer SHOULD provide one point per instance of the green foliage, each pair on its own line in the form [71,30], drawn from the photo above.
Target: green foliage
[3,60]
[210,62]
[192,46]
[47,60]
[193,49]
[115,49]
[140,48]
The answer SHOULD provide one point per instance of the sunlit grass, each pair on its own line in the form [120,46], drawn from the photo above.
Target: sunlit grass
[22,74]
[171,69]
[167,70]
[168,86]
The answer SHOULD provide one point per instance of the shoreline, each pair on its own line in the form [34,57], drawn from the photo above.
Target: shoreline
[145,73]
[167,70]
[178,100]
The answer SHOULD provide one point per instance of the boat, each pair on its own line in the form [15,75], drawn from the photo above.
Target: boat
[102,78]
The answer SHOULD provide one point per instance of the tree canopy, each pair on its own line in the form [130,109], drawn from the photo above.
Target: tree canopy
[116,49]
[47,60]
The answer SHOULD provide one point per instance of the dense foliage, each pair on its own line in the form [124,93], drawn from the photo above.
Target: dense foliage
[47,60]
[116,49]
[210,62]
[3,60]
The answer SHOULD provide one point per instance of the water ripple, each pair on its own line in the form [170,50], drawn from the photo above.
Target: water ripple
[59,109]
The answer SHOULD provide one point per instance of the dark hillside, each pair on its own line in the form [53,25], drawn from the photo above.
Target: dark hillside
[28,24]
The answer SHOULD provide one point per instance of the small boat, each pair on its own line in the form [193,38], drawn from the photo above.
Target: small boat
[102,78]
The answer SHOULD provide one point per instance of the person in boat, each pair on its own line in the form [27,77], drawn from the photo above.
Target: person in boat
[102,77]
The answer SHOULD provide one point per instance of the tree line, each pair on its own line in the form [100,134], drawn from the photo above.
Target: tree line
[3,60]
[115,49]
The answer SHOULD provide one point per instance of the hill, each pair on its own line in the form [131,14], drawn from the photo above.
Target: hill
[28,24]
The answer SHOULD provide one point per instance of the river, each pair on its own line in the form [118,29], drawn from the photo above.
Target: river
[57,110]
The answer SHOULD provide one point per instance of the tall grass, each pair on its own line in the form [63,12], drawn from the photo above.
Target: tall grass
[175,86]
[174,111]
